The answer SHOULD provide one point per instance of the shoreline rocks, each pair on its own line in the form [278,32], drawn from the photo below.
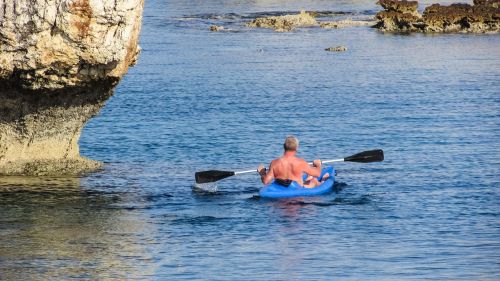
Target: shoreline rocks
[57,69]
[285,23]
[402,16]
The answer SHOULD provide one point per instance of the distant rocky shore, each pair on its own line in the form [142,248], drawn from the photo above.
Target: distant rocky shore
[403,16]
[287,23]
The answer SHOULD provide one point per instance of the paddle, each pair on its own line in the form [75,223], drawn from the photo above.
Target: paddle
[369,156]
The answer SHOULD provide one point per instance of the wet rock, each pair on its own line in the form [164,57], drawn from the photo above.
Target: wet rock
[346,23]
[337,49]
[59,62]
[284,23]
[461,18]
[488,3]
[216,28]
[404,7]
[396,21]
[400,16]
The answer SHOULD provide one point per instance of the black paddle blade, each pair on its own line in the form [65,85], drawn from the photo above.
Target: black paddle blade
[211,176]
[369,156]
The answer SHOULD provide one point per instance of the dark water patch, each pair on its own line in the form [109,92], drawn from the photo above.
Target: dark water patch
[157,197]
[339,186]
[364,199]
[199,220]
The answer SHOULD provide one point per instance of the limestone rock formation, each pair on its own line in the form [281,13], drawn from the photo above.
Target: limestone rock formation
[463,17]
[404,7]
[402,16]
[284,23]
[398,16]
[59,62]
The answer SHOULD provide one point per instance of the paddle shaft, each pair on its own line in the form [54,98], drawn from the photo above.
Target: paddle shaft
[310,163]
[369,156]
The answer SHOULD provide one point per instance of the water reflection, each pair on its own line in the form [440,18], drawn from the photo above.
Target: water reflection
[61,230]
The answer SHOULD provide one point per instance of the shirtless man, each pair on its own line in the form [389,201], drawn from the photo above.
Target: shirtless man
[291,167]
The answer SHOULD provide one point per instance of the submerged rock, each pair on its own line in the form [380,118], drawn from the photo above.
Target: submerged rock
[284,23]
[59,62]
[402,16]
[346,23]
[337,49]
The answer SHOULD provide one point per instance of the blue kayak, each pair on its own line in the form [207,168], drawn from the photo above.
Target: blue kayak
[275,190]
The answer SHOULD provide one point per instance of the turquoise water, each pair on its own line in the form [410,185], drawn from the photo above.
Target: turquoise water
[200,100]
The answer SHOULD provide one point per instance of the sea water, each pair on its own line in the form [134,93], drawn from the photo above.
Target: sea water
[200,100]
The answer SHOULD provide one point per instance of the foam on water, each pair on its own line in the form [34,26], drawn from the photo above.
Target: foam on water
[210,188]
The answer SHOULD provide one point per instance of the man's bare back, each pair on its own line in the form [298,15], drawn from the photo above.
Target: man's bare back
[291,167]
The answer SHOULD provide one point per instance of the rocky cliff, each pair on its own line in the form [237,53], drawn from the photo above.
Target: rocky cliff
[59,62]
[402,16]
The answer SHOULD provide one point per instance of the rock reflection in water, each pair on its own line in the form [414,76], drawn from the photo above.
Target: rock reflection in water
[61,230]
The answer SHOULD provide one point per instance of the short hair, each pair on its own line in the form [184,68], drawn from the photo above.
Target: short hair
[291,143]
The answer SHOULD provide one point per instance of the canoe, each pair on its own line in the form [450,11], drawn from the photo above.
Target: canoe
[275,190]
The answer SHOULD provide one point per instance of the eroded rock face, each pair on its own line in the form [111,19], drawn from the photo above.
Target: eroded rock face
[402,16]
[285,23]
[59,62]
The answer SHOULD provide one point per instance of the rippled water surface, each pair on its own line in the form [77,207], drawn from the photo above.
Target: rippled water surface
[202,100]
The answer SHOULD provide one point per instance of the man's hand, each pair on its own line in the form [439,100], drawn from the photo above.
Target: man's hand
[317,163]
[261,170]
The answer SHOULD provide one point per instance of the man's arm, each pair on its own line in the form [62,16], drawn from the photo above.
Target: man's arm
[315,170]
[266,176]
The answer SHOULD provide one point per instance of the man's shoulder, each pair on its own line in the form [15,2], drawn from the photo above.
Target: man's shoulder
[300,160]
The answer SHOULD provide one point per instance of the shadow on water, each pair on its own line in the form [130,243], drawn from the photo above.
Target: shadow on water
[58,225]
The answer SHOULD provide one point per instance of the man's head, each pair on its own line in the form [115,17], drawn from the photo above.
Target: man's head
[291,143]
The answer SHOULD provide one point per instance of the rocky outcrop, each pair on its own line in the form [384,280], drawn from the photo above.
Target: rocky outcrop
[402,16]
[284,23]
[398,16]
[59,62]
[403,7]
[337,49]
[216,28]
[482,17]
